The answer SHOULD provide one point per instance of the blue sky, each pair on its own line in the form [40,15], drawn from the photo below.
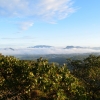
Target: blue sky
[25,23]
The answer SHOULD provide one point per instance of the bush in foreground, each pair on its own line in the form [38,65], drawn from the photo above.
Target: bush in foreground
[38,80]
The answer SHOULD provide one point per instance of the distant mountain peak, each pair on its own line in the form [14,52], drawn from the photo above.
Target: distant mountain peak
[9,49]
[71,47]
[41,46]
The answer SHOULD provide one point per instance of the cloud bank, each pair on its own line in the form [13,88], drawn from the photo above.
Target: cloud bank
[52,50]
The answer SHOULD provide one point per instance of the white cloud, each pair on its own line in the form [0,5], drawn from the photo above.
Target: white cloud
[53,22]
[41,9]
[55,8]
[25,25]
[13,7]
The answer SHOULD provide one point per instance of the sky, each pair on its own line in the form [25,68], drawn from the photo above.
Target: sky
[25,23]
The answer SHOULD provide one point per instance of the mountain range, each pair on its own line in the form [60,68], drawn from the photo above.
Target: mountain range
[41,46]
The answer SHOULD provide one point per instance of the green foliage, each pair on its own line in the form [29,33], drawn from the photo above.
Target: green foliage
[14,76]
[88,71]
[40,80]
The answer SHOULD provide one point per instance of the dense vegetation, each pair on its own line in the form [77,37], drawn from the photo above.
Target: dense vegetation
[40,80]
[88,71]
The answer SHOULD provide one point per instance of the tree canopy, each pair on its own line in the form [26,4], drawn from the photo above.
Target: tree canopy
[41,80]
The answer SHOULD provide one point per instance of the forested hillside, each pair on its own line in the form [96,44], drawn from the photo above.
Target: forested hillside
[41,80]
